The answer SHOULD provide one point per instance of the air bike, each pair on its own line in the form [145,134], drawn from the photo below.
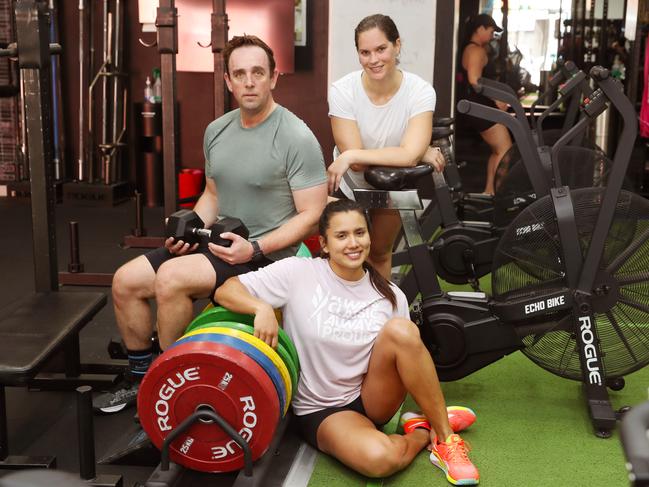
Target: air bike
[463,249]
[580,161]
[513,188]
[569,279]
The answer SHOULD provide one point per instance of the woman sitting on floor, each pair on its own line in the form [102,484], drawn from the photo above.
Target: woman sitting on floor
[359,352]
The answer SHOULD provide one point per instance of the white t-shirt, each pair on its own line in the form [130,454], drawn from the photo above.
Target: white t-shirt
[379,125]
[332,322]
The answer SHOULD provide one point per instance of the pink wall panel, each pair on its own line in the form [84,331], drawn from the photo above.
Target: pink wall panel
[271,20]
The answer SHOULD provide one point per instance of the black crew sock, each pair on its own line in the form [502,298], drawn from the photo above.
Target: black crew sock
[139,362]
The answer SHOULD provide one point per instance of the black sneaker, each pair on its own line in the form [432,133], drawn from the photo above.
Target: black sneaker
[120,396]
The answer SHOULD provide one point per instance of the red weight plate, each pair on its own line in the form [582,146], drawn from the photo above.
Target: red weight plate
[269,367]
[212,376]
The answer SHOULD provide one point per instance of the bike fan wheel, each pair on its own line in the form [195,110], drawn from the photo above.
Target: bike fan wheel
[579,167]
[529,262]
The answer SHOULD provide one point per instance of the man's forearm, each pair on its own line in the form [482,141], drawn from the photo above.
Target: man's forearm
[207,208]
[291,232]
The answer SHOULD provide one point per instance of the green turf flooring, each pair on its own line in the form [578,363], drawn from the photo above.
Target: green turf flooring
[533,430]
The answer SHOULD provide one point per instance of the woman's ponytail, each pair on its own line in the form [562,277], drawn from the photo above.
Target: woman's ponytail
[381,284]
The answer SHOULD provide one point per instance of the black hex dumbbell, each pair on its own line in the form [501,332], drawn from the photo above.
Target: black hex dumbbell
[184,225]
[187,226]
[226,224]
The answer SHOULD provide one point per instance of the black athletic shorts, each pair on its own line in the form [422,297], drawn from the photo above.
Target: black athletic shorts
[308,424]
[475,123]
[223,270]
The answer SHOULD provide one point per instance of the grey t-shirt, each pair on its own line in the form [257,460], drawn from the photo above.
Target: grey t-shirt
[332,322]
[256,169]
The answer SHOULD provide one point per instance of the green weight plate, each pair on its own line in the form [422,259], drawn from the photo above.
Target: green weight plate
[218,313]
[303,251]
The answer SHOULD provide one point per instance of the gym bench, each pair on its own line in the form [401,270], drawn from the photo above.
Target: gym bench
[32,331]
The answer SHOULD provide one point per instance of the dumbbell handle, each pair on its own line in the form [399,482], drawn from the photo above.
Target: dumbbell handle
[205,232]
[208,233]
[187,226]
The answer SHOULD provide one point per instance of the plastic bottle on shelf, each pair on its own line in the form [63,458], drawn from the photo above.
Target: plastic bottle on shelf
[157,86]
[148,91]
[618,69]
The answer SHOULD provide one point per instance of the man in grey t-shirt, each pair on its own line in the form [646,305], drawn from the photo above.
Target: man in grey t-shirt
[264,166]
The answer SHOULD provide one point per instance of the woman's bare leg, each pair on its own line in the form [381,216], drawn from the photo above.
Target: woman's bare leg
[385,228]
[354,440]
[499,141]
[400,364]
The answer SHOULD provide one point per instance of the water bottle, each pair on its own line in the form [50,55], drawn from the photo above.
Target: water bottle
[148,91]
[157,86]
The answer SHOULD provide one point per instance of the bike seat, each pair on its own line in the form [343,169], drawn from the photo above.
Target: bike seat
[443,121]
[441,133]
[396,178]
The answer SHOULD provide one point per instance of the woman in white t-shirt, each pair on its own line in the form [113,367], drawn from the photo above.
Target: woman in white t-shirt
[380,115]
[359,353]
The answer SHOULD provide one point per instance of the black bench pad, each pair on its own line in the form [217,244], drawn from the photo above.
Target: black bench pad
[35,327]
[396,178]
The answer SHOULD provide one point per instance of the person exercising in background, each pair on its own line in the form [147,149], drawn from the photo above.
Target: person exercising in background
[380,115]
[263,166]
[474,63]
[359,354]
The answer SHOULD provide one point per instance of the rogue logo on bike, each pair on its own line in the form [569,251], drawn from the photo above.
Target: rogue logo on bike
[590,352]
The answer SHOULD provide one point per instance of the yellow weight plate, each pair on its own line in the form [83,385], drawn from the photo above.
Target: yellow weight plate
[259,344]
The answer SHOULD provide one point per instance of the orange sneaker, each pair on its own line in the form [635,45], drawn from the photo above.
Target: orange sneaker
[460,418]
[452,457]
[410,421]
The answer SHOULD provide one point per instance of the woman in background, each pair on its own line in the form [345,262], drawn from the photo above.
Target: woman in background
[474,65]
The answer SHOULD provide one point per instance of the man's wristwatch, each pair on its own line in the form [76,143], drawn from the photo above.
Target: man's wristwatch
[257,253]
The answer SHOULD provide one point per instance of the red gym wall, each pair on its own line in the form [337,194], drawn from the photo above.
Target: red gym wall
[304,91]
